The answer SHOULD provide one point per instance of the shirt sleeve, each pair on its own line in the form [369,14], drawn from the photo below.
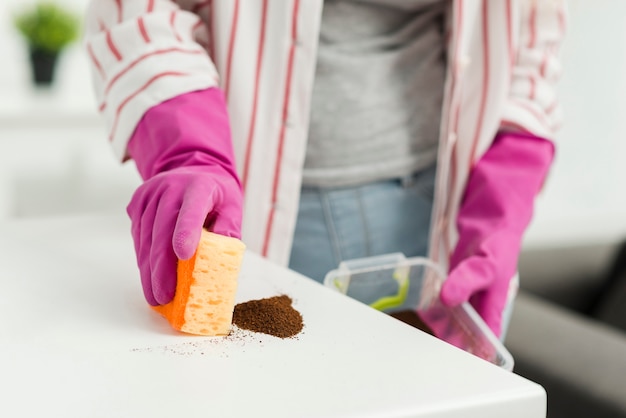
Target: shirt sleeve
[144,52]
[536,68]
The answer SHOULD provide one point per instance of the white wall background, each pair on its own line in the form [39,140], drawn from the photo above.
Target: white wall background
[584,198]
[54,156]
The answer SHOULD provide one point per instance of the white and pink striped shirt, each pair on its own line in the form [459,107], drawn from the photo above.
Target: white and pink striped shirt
[502,69]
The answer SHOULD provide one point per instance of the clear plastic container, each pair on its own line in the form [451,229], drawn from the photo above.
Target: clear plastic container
[408,288]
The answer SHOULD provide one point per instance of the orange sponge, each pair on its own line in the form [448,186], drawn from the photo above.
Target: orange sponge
[207,283]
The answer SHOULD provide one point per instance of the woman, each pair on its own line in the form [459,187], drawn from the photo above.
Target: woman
[316,93]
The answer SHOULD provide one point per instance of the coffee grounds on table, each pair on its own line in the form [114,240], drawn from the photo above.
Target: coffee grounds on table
[274,316]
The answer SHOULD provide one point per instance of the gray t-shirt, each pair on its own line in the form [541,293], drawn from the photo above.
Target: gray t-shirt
[378,91]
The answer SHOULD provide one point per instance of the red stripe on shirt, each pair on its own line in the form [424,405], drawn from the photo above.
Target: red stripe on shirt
[544,64]
[148,55]
[150,7]
[173,26]
[211,31]
[95,61]
[112,47]
[231,45]
[130,97]
[257,76]
[281,139]
[118,5]
[533,87]
[142,30]
[532,22]
[509,34]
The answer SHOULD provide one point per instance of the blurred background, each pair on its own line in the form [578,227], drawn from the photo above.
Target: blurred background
[54,155]
[56,161]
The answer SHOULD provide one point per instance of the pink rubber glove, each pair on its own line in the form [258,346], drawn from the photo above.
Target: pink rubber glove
[495,212]
[183,151]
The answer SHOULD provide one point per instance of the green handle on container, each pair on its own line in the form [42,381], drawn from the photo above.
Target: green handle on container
[388,302]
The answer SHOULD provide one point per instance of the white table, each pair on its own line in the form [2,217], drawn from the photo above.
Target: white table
[78,340]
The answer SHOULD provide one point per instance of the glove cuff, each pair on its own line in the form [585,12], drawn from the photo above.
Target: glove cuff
[189,130]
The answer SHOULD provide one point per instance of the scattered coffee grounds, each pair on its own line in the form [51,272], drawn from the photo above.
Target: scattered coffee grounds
[412,318]
[274,316]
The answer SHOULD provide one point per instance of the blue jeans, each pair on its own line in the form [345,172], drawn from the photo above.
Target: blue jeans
[336,224]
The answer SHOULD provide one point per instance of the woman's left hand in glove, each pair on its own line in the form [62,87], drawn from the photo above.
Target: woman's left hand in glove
[496,209]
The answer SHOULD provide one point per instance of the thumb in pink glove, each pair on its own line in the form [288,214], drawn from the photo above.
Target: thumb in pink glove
[495,212]
[183,151]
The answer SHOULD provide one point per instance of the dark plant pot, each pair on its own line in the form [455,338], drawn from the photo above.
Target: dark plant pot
[43,65]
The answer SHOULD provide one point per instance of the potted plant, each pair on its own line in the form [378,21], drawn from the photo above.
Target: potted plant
[47,28]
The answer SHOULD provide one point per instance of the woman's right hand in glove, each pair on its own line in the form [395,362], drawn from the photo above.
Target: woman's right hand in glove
[183,151]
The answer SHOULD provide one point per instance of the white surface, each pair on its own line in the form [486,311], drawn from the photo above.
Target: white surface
[78,340]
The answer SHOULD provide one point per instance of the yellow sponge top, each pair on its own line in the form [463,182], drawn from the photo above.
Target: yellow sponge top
[206,287]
